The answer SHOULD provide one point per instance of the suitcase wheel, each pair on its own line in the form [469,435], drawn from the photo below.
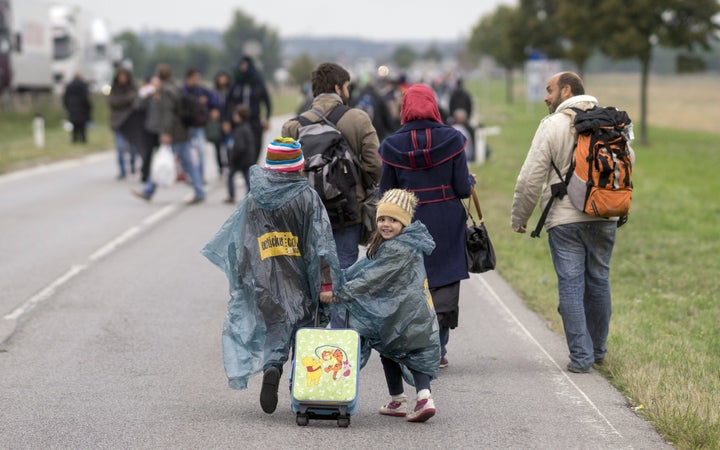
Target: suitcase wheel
[343,421]
[303,419]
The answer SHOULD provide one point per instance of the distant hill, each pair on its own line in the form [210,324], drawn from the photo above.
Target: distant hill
[335,49]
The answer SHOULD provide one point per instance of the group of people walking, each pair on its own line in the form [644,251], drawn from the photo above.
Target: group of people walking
[413,263]
[232,116]
[288,263]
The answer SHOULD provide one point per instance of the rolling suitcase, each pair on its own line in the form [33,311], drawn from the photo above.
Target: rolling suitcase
[326,372]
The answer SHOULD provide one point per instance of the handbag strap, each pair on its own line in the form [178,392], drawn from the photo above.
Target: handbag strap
[475,200]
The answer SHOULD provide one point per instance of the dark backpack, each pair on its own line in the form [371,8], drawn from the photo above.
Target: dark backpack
[330,165]
[599,179]
[193,113]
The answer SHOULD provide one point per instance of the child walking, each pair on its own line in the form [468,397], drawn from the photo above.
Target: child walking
[241,150]
[276,249]
[390,305]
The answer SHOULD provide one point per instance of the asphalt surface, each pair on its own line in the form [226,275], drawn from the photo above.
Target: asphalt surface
[110,326]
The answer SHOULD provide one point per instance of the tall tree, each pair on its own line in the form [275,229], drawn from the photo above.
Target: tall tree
[300,69]
[245,37]
[640,25]
[495,36]
[581,30]
[404,56]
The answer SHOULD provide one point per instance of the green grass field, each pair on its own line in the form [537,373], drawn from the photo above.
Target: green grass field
[664,345]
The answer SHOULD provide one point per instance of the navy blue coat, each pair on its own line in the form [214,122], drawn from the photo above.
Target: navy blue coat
[428,158]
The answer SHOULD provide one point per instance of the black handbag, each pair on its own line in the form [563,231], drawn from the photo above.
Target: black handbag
[478,247]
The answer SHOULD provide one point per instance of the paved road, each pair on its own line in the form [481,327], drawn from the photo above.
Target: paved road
[112,323]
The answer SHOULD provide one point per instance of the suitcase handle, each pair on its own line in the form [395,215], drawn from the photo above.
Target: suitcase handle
[316,319]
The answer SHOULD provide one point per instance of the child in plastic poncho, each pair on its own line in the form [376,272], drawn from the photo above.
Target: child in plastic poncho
[390,305]
[276,250]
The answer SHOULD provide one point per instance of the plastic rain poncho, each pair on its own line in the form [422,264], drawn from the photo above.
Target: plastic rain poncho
[270,249]
[390,303]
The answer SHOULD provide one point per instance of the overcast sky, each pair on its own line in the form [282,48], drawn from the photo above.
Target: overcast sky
[372,19]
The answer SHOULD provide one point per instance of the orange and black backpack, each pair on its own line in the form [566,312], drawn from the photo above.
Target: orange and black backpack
[599,181]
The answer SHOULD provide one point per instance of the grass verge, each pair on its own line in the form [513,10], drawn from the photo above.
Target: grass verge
[664,338]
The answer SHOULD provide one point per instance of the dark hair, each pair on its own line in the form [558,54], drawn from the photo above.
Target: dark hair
[128,74]
[191,72]
[373,245]
[163,71]
[243,111]
[573,80]
[326,76]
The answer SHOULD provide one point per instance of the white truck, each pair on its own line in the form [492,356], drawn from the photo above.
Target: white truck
[31,47]
[82,43]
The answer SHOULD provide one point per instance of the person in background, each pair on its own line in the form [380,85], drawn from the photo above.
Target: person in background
[460,98]
[277,252]
[427,157]
[165,116]
[141,126]
[213,130]
[209,102]
[123,93]
[241,149]
[248,88]
[78,106]
[580,244]
[330,83]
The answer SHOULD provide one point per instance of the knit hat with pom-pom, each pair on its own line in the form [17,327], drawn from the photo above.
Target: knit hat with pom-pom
[398,204]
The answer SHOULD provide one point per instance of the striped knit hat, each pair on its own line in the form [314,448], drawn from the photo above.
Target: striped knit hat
[398,204]
[284,154]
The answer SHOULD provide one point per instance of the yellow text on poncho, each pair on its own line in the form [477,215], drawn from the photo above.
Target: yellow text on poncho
[278,243]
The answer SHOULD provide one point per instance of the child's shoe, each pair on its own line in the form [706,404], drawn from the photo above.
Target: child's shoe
[397,406]
[424,408]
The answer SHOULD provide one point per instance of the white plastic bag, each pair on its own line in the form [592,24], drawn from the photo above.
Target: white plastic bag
[162,169]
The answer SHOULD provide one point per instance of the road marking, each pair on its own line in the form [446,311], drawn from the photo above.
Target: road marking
[527,332]
[114,244]
[45,293]
[47,169]
[75,270]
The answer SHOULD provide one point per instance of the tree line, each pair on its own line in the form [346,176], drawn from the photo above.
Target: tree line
[619,29]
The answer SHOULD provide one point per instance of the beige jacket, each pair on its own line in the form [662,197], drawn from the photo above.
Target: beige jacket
[355,126]
[554,140]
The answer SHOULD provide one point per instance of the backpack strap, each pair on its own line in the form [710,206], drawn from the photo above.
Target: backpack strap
[558,190]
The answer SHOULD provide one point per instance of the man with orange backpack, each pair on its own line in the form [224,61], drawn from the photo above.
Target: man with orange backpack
[581,242]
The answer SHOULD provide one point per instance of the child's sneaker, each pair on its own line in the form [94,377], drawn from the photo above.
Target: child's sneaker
[397,406]
[424,408]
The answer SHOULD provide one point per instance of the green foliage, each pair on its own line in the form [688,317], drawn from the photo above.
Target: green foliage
[133,50]
[300,69]
[404,56]
[17,147]
[245,37]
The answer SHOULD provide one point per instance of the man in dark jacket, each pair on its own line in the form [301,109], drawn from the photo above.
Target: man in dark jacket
[460,99]
[76,100]
[249,89]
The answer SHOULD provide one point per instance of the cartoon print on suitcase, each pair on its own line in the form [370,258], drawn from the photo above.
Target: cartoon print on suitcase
[325,374]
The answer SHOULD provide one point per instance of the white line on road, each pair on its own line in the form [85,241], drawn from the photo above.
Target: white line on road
[45,293]
[7,328]
[497,299]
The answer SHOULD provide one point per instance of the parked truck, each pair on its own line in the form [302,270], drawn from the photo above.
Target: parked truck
[26,45]
[82,43]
